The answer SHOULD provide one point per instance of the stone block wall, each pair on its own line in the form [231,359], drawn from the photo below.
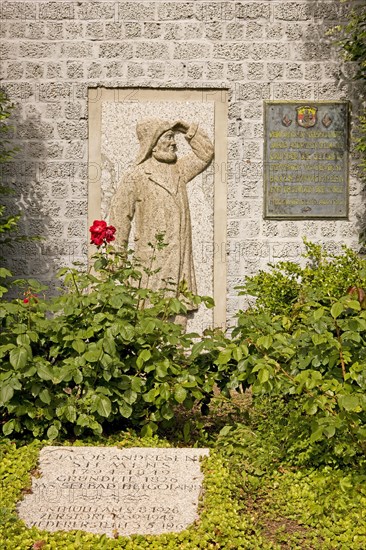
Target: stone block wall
[52,52]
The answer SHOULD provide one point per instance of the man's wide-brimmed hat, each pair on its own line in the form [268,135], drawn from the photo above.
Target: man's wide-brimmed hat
[148,132]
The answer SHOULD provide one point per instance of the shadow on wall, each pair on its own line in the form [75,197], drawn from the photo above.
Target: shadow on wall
[30,198]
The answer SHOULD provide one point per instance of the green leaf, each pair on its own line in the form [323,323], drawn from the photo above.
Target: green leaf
[116,301]
[4,272]
[144,356]
[92,356]
[79,345]
[336,310]
[186,431]
[175,305]
[70,413]
[23,340]
[161,371]
[77,376]
[147,325]
[263,375]
[45,371]
[149,429]
[150,396]
[103,405]
[166,411]
[109,346]
[136,384]
[349,402]
[8,427]
[146,431]
[19,357]
[125,409]
[127,332]
[6,393]
[265,341]
[5,348]
[165,391]
[130,396]
[45,396]
[224,356]
[318,313]
[225,430]
[180,394]
[52,432]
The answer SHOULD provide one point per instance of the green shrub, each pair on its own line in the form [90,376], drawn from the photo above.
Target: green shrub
[309,350]
[105,352]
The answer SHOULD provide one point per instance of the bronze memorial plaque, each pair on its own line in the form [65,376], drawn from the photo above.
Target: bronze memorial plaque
[306,159]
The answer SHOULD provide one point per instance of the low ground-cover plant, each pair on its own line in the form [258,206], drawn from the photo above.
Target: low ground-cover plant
[252,497]
[292,502]
[305,341]
[104,351]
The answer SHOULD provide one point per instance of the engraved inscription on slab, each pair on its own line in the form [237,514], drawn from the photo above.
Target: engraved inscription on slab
[105,490]
[306,159]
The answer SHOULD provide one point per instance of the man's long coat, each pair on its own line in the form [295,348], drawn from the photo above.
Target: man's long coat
[155,195]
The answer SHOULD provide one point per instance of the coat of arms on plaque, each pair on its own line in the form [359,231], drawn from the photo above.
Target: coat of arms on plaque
[306,116]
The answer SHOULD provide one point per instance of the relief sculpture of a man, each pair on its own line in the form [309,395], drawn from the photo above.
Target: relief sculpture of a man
[154,194]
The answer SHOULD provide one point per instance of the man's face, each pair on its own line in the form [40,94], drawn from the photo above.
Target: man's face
[165,148]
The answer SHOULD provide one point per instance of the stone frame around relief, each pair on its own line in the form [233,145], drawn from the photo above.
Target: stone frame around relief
[113,114]
[306,159]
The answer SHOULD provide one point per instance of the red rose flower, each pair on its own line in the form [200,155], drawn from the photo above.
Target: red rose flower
[109,233]
[100,233]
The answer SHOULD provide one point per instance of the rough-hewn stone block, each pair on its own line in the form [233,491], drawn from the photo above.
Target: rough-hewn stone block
[232,50]
[312,51]
[75,69]
[133,29]
[36,30]
[215,11]
[292,90]
[255,71]
[94,30]
[96,10]
[152,30]
[54,91]
[54,30]
[328,10]
[136,11]
[14,70]
[270,51]
[18,10]
[34,70]
[194,50]
[19,91]
[37,49]
[116,49]
[151,50]
[293,11]
[214,31]
[176,10]
[71,50]
[235,31]
[254,91]
[252,10]
[71,130]
[74,30]
[56,10]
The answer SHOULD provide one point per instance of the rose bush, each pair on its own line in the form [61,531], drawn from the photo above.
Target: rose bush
[104,352]
[304,342]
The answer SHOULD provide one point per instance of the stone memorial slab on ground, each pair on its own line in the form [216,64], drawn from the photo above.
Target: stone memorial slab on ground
[105,490]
